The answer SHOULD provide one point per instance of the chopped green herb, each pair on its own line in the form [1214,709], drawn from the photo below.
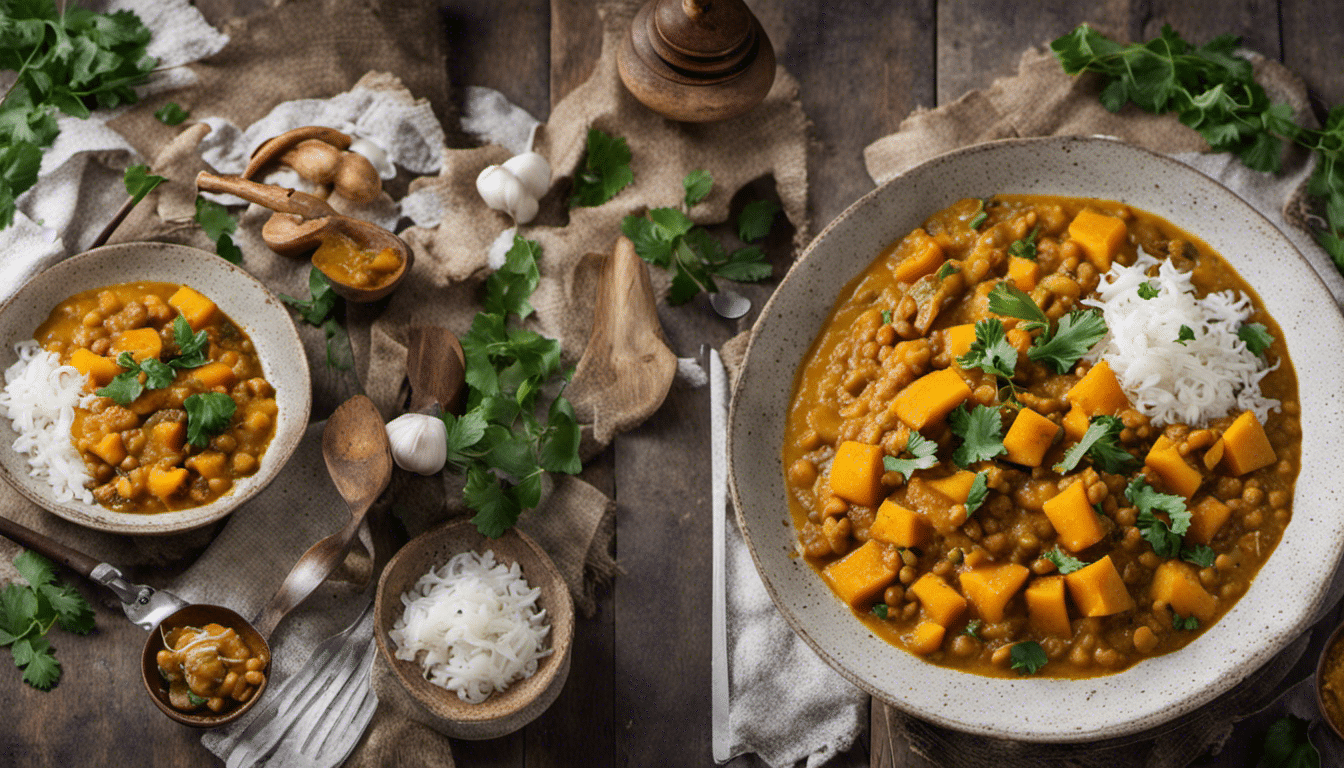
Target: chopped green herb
[923,451]
[192,348]
[208,414]
[1101,443]
[1184,335]
[698,183]
[979,491]
[194,699]
[1076,333]
[1148,291]
[125,387]
[973,628]
[139,182]
[1165,538]
[886,317]
[1026,247]
[1288,744]
[981,433]
[1184,623]
[319,310]
[880,610]
[1063,561]
[667,238]
[756,220]
[605,170]
[218,225]
[1010,301]
[980,213]
[990,351]
[1256,336]
[171,114]
[946,271]
[27,613]
[1201,555]
[1028,657]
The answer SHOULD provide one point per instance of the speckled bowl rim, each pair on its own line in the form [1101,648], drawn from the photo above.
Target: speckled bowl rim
[1281,601]
[282,359]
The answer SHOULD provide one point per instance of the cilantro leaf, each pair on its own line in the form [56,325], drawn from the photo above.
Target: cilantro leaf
[171,114]
[139,182]
[1164,537]
[1179,623]
[1288,744]
[973,628]
[1184,335]
[1077,333]
[1148,291]
[125,387]
[1256,336]
[37,570]
[667,238]
[605,170]
[923,451]
[981,432]
[1028,657]
[1101,442]
[508,289]
[40,668]
[946,271]
[1009,300]
[194,699]
[192,348]
[72,611]
[879,610]
[979,491]
[28,613]
[1201,555]
[317,310]
[228,250]
[560,441]
[990,351]
[980,213]
[214,219]
[886,317]
[1065,562]
[756,219]
[157,374]
[1026,247]
[208,414]
[698,183]
[496,510]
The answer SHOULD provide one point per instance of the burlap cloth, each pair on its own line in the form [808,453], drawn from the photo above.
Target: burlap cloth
[393,47]
[1040,100]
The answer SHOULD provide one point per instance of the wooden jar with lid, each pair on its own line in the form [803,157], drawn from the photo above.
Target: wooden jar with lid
[697,60]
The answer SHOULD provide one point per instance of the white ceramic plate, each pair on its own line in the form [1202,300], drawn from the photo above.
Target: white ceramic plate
[239,295]
[1280,601]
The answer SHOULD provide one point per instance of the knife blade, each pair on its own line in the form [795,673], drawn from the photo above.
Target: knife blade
[720,741]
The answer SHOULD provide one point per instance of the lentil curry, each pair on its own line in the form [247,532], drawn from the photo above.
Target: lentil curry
[210,666]
[182,411]
[1018,560]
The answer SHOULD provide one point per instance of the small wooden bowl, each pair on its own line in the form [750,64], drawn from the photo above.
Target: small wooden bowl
[402,685]
[1335,637]
[196,616]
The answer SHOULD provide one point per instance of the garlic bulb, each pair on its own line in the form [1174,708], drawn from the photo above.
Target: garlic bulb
[532,170]
[516,186]
[419,442]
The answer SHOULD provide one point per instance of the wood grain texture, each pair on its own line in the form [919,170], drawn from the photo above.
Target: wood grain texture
[1313,36]
[501,44]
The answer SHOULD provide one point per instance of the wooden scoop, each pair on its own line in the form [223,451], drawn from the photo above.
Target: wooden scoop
[309,219]
[436,367]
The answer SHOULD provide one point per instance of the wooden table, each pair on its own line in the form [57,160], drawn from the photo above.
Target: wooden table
[638,692]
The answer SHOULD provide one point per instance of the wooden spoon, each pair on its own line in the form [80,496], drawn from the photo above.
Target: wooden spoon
[354,444]
[309,221]
[436,367]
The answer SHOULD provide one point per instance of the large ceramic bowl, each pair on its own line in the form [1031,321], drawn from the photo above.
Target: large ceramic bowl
[1281,599]
[239,295]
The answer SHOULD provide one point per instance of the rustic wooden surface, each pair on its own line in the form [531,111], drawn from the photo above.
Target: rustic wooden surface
[638,692]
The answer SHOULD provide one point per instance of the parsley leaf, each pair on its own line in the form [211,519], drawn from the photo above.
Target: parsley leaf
[27,613]
[1256,336]
[756,220]
[981,432]
[125,387]
[979,491]
[667,238]
[1101,442]
[880,610]
[1288,745]
[1201,555]
[1009,300]
[228,251]
[171,114]
[319,310]
[1184,335]
[922,449]
[1178,622]
[946,271]
[37,570]
[192,348]
[605,170]
[990,351]
[698,183]
[1076,333]
[1028,657]
[218,225]
[1026,247]
[157,374]
[1148,291]
[1065,562]
[886,317]
[1165,538]
[40,667]
[139,182]
[973,628]
[208,414]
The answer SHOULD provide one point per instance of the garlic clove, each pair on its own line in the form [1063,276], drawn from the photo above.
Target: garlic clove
[524,209]
[492,183]
[419,442]
[532,170]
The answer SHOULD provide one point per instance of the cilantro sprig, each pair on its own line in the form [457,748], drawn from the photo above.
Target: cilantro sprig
[972,629]
[322,309]
[1212,90]
[1025,248]
[140,182]
[990,352]
[1100,443]
[126,386]
[1060,349]
[1164,537]
[219,226]
[1065,562]
[171,113]
[978,493]
[500,442]
[27,613]
[605,170]
[72,61]
[981,433]
[923,452]
[208,414]
[1028,657]
[1256,337]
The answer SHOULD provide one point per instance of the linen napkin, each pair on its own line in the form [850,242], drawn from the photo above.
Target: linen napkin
[1041,100]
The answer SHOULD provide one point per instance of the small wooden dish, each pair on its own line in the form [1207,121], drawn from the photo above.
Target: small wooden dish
[402,685]
[195,616]
[1335,637]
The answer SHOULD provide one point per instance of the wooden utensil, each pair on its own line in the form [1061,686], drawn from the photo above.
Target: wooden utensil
[309,219]
[436,368]
[697,60]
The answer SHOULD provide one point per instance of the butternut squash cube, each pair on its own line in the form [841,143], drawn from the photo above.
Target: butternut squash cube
[856,473]
[956,487]
[1045,607]
[990,587]
[1098,392]
[99,369]
[958,339]
[926,638]
[1073,517]
[942,604]
[208,464]
[1098,590]
[1171,468]
[1246,447]
[385,261]
[1075,423]
[1176,583]
[169,434]
[142,343]
[898,525]
[213,375]
[1029,438]
[860,576]
[924,257]
[1099,235]
[930,398]
[109,449]
[196,309]
[166,482]
[1206,518]
[1023,273]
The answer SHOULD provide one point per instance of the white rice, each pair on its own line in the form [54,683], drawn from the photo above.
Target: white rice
[39,398]
[474,626]
[1192,383]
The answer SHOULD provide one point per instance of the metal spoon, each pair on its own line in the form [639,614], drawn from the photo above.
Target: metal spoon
[729,304]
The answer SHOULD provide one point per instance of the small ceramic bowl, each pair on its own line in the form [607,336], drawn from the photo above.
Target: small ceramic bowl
[238,294]
[1322,669]
[402,685]
[196,616]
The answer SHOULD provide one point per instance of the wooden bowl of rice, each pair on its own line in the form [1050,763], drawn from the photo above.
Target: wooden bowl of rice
[402,684]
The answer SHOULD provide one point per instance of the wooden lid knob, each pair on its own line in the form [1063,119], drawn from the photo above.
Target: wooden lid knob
[697,60]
